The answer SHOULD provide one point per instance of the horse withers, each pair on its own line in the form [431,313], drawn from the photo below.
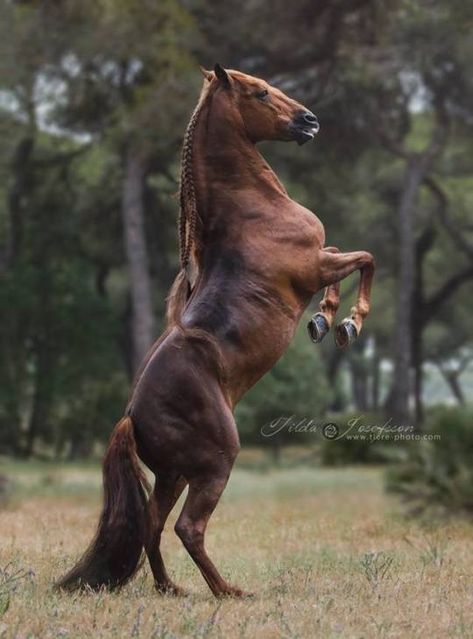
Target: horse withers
[251,260]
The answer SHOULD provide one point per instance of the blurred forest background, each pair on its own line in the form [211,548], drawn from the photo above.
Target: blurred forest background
[94,100]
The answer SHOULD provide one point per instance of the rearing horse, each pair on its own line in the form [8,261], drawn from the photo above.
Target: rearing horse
[251,260]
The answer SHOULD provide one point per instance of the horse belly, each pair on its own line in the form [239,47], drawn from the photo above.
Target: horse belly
[252,316]
[260,345]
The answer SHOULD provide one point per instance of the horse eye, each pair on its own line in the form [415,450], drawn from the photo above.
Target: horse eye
[261,95]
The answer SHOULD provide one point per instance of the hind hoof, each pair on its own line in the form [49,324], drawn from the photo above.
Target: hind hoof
[317,328]
[171,590]
[235,593]
[346,333]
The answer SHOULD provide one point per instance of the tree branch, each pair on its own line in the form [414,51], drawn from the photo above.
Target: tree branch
[445,220]
[448,288]
[393,146]
[62,158]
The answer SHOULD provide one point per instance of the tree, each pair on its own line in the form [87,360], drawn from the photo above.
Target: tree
[62,60]
[131,83]
[94,100]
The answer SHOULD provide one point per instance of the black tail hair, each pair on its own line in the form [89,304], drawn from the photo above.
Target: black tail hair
[114,554]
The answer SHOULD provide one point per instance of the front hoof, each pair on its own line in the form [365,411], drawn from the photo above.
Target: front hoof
[317,327]
[346,333]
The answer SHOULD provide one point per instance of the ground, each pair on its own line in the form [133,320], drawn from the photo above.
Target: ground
[327,553]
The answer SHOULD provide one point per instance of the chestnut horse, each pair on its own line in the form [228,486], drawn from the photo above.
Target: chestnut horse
[251,259]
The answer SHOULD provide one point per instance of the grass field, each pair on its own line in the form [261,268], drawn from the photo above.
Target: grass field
[325,551]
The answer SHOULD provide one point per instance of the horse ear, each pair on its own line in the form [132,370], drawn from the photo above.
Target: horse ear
[208,75]
[222,75]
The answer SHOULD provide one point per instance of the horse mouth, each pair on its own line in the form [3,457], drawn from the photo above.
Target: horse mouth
[303,134]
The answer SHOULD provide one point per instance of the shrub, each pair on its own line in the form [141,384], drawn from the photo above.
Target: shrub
[437,472]
[354,446]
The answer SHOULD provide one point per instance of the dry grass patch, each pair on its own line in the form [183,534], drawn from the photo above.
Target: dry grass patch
[326,552]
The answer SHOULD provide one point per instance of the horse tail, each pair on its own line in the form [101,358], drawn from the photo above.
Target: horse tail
[177,298]
[114,554]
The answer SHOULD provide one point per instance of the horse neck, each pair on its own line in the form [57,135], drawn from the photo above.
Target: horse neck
[227,165]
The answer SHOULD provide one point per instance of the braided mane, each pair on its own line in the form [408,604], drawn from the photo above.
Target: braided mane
[188,220]
[188,215]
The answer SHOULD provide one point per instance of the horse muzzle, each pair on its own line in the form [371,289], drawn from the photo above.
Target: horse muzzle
[304,127]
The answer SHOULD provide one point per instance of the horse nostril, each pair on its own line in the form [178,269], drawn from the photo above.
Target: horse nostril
[306,118]
[310,118]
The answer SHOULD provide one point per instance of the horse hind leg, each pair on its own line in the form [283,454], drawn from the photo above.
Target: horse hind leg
[167,491]
[203,496]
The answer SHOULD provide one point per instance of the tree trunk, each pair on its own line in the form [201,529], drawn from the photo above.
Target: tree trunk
[135,245]
[398,402]
[423,245]
[37,424]
[20,169]
[376,378]
[453,380]
[19,192]
[334,360]
[359,376]
[417,363]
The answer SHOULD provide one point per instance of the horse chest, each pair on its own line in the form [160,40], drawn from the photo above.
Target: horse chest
[293,243]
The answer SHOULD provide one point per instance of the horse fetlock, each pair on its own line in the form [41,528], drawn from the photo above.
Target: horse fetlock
[360,311]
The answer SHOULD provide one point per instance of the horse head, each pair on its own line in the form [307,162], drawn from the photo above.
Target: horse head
[265,112]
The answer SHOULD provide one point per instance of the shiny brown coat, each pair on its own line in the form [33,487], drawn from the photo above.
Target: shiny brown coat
[252,259]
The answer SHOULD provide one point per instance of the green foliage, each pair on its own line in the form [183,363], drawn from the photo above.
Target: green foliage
[10,580]
[60,335]
[80,82]
[376,566]
[354,446]
[436,474]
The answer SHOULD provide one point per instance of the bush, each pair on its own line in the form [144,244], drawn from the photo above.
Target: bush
[437,472]
[352,445]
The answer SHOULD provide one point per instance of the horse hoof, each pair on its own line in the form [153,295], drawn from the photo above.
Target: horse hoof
[171,590]
[235,593]
[317,328]
[346,333]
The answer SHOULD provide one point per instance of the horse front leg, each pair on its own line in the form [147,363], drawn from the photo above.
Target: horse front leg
[334,267]
[321,322]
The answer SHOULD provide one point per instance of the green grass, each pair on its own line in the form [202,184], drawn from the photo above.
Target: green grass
[325,551]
